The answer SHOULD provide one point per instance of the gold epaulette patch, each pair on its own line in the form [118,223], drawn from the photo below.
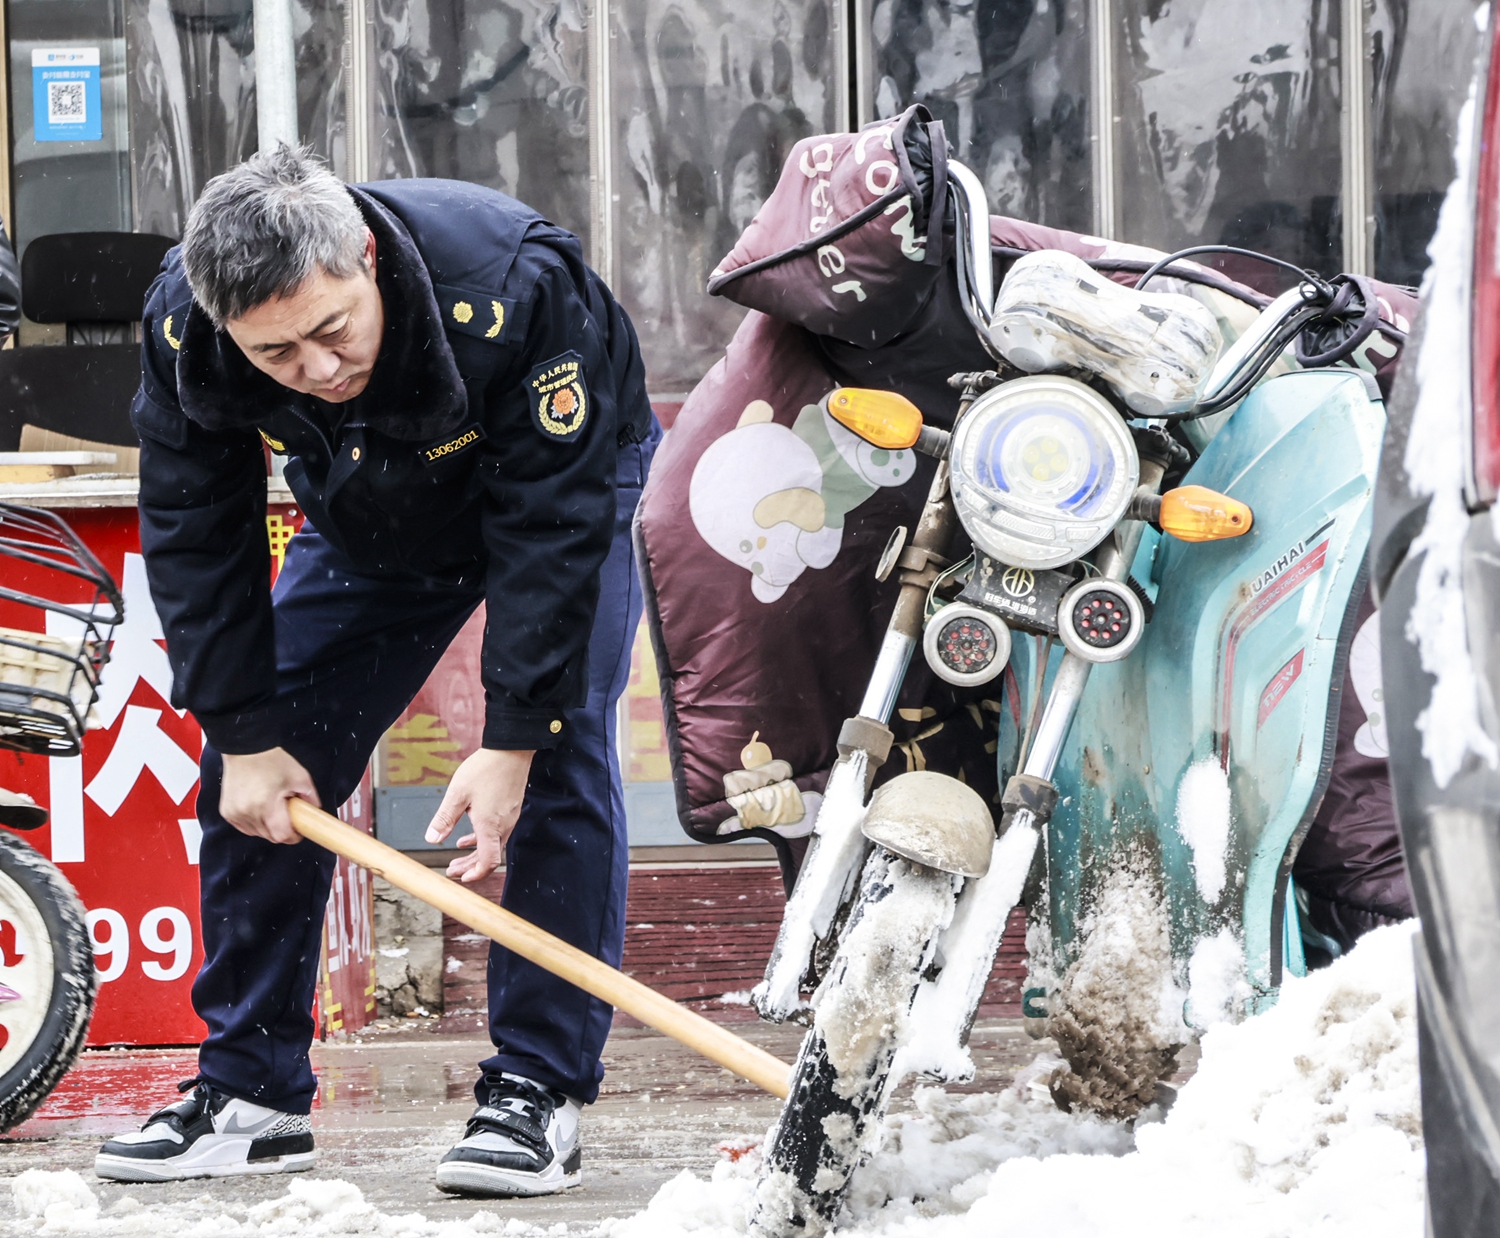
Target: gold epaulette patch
[274,444]
[480,314]
[173,325]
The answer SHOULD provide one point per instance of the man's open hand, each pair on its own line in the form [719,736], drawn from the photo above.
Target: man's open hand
[256,788]
[489,786]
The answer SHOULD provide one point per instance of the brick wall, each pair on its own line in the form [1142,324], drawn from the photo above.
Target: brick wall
[695,934]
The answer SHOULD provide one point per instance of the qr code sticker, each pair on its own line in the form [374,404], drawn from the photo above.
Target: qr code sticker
[65,103]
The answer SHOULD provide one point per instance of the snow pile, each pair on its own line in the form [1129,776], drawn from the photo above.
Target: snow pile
[63,1204]
[1203,822]
[57,1199]
[940,1158]
[1303,1120]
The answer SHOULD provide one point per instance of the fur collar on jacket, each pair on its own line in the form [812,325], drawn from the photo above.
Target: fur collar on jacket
[415,393]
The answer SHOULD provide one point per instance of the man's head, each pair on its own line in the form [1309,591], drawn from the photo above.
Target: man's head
[279,257]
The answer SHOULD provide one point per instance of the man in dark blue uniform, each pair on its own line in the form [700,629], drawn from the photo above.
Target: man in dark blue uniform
[462,408]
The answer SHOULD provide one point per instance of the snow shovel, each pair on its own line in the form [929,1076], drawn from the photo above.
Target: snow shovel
[542,948]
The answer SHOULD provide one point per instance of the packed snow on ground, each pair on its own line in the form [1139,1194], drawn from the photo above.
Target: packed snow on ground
[1303,1120]
[63,1203]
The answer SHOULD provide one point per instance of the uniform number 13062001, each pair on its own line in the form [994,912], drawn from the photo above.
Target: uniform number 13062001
[163,930]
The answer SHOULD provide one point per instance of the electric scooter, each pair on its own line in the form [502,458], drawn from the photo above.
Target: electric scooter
[1155,558]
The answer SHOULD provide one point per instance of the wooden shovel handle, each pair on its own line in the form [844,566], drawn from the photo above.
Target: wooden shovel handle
[556,956]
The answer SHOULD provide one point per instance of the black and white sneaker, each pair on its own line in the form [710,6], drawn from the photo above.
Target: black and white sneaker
[522,1141]
[209,1135]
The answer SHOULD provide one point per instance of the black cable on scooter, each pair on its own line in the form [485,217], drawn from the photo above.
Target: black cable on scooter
[1339,293]
[1156,269]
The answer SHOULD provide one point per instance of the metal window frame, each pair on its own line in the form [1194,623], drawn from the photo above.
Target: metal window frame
[1356,143]
[601,141]
[1104,118]
[359,104]
[7,210]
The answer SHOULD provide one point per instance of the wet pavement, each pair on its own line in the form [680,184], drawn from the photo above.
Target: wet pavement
[392,1101]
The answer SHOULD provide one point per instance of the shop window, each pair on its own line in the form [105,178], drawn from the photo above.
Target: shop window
[192,95]
[1228,127]
[71,145]
[1420,71]
[1010,82]
[486,91]
[708,99]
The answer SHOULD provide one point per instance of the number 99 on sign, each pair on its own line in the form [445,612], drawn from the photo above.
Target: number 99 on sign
[163,930]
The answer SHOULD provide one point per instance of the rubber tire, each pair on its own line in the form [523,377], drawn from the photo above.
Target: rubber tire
[75,983]
[799,1152]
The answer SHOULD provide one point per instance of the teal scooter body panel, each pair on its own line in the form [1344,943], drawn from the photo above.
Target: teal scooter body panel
[1238,673]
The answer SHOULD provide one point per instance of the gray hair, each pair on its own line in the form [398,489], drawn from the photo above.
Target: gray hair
[262,229]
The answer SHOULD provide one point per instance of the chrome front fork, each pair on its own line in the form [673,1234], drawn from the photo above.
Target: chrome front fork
[836,851]
[888,676]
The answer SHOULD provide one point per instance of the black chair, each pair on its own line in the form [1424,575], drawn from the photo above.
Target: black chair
[96,284]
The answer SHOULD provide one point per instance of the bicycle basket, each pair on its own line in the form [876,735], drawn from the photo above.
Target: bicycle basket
[50,680]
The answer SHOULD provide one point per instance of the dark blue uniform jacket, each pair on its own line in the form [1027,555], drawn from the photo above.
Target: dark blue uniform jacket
[483,448]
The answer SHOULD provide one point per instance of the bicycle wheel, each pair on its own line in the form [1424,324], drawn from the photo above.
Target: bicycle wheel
[47,979]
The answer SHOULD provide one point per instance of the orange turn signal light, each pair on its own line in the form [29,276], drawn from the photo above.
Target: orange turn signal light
[882,418]
[1198,514]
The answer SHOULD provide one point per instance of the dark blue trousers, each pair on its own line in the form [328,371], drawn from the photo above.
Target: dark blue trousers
[352,649]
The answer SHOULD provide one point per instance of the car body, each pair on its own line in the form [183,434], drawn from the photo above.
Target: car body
[1435,566]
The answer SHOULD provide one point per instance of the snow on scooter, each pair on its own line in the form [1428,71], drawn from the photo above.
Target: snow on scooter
[1162,555]
[48,684]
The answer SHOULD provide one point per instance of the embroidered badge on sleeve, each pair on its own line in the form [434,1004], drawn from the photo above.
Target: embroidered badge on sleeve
[559,400]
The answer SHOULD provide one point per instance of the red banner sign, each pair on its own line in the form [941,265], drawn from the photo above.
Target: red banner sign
[124,829]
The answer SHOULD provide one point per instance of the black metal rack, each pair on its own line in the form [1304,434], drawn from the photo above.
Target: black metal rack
[47,682]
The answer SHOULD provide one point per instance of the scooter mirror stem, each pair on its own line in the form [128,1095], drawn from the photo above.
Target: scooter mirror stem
[934,442]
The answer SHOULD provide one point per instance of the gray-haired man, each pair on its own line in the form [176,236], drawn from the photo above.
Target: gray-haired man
[463,411]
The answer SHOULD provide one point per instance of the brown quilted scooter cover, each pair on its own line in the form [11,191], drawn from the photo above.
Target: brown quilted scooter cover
[758,534]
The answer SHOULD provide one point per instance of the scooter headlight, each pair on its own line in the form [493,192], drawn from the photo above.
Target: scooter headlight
[1043,468]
